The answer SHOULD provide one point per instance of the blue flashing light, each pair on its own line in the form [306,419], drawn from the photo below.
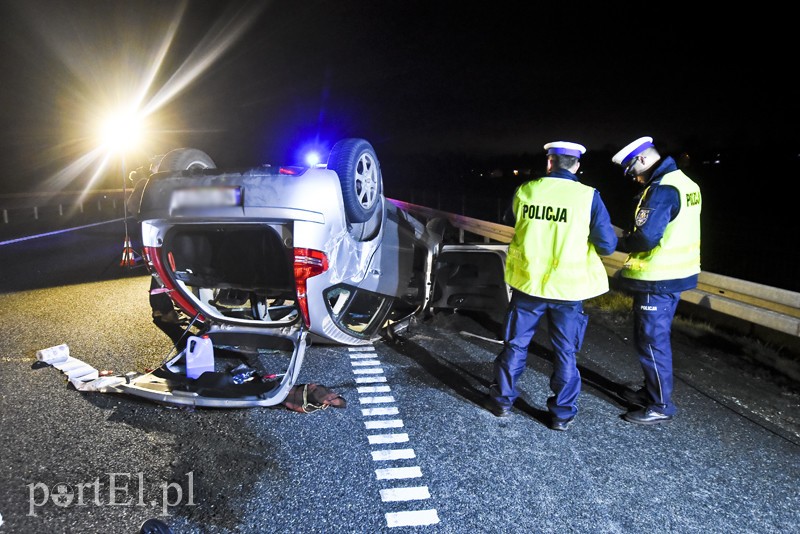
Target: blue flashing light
[312,158]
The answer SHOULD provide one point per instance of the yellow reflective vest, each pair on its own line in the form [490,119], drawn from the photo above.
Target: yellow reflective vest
[677,255]
[550,255]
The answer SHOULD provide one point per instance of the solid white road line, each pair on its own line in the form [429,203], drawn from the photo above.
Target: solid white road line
[55,232]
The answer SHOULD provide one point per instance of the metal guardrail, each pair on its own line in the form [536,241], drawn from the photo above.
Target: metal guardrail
[22,209]
[770,307]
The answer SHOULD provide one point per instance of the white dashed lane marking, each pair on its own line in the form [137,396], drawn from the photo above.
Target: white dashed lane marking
[405,494]
[366,412]
[376,400]
[370,379]
[369,371]
[387,438]
[374,389]
[364,361]
[393,454]
[412,519]
[398,472]
[385,423]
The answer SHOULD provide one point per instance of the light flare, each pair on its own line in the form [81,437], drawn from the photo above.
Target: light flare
[133,129]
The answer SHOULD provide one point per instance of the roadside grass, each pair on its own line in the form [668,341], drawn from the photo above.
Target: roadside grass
[612,301]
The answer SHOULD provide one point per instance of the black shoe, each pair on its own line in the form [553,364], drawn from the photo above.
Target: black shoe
[560,424]
[646,417]
[496,409]
[501,412]
[636,398]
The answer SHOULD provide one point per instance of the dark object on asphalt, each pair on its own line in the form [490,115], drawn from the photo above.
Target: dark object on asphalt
[155,526]
[635,397]
[308,398]
[496,410]
[561,424]
[646,417]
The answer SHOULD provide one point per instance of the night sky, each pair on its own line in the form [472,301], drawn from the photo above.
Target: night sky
[494,78]
[445,91]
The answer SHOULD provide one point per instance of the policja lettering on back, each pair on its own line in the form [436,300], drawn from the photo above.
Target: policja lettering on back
[561,228]
[548,213]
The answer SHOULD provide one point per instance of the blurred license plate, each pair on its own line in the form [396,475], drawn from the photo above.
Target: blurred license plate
[207,197]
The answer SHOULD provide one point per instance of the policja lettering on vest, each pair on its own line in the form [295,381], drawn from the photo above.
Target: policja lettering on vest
[547,213]
[552,269]
[663,260]
[693,199]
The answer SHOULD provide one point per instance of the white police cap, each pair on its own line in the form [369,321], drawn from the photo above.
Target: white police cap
[565,148]
[631,150]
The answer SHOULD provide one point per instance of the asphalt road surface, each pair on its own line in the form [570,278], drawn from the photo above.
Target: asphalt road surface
[413,451]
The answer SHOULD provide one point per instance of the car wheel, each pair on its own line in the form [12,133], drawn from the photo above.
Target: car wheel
[184,159]
[355,162]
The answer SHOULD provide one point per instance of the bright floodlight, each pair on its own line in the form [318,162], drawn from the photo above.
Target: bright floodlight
[121,131]
[312,158]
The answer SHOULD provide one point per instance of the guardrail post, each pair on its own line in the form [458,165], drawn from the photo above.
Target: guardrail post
[36,212]
[61,209]
[5,216]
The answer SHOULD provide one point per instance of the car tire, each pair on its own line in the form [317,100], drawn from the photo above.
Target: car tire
[355,162]
[185,159]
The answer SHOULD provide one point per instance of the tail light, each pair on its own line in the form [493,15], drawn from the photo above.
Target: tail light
[307,263]
[152,255]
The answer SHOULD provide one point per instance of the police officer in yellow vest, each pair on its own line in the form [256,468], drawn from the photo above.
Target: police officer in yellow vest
[561,228]
[663,261]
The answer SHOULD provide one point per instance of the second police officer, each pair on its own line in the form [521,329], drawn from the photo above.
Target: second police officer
[664,260]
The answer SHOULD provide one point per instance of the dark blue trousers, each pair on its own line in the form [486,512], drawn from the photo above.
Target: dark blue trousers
[567,324]
[652,328]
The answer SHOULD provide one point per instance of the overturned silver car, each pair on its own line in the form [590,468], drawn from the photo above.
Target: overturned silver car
[262,261]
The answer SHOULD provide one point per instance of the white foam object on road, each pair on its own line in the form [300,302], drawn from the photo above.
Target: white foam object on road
[103,384]
[53,355]
[75,369]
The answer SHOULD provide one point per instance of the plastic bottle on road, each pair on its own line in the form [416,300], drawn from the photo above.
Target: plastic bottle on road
[199,356]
